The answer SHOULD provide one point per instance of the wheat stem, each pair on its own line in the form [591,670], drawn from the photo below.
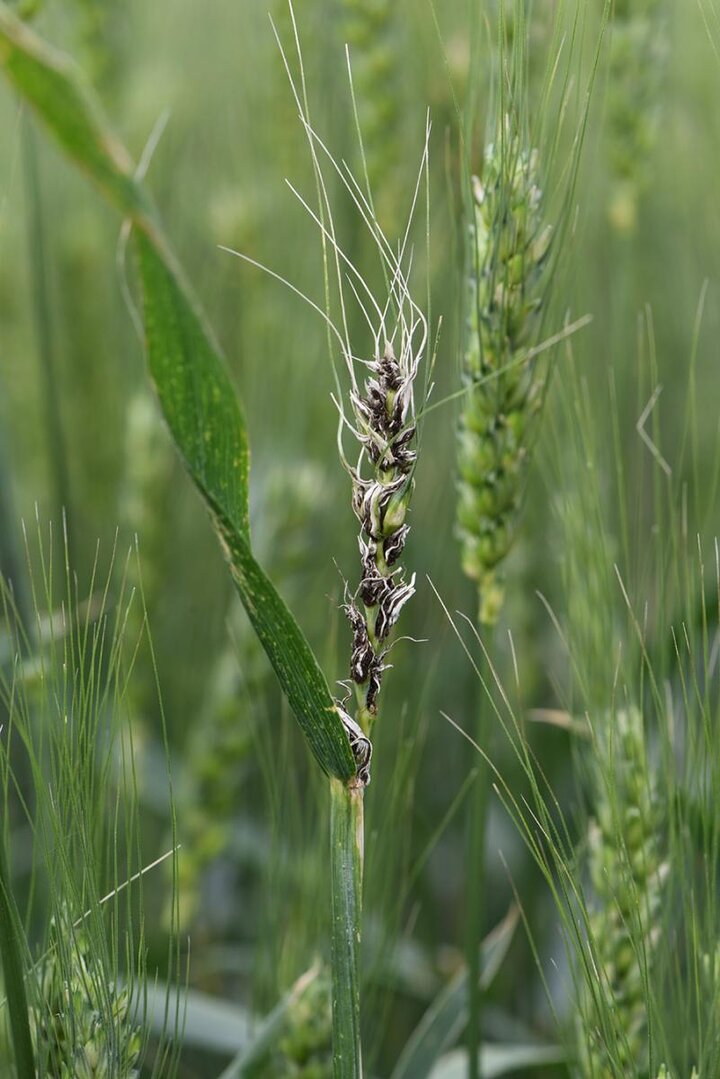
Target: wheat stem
[346,842]
[14,973]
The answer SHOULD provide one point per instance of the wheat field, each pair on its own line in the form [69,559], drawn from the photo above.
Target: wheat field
[359,556]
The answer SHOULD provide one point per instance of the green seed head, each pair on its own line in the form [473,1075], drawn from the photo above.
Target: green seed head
[509,247]
[81,1027]
[628,876]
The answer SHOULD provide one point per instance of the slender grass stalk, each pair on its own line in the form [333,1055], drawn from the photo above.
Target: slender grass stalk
[382,484]
[346,867]
[14,970]
[46,335]
[11,566]
[475,891]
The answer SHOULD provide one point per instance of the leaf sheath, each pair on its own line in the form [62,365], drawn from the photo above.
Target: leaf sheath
[346,837]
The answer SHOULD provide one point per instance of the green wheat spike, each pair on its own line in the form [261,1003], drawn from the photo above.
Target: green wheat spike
[628,874]
[82,1028]
[509,245]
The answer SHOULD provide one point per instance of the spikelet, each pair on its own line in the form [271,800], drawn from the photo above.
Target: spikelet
[638,48]
[304,1048]
[509,245]
[81,1029]
[628,874]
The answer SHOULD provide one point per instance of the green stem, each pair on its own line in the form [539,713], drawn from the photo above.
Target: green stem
[11,566]
[14,975]
[37,248]
[346,839]
[476,900]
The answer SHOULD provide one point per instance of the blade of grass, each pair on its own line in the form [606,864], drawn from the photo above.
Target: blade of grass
[252,1056]
[11,567]
[45,333]
[447,1016]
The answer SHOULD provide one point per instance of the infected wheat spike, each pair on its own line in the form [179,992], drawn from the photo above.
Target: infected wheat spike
[382,483]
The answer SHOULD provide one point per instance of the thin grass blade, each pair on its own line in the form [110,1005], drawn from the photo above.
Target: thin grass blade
[253,1056]
[447,1016]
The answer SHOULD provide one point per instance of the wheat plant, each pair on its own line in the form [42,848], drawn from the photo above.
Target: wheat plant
[512,260]
[74,950]
[209,430]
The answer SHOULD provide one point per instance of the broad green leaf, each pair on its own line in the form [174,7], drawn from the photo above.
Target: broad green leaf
[190,377]
[292,658]
[498,1060]
[446,1018]
[207,1022]
[52,83]
[195,391]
